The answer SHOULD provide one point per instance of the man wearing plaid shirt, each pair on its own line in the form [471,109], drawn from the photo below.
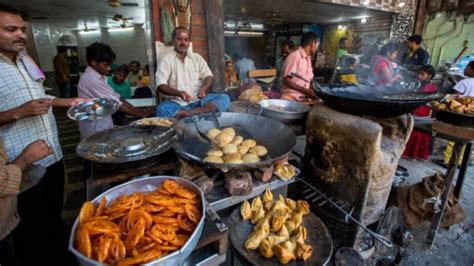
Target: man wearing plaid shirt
[25,117]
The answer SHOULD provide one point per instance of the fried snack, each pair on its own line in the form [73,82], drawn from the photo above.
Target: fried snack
[237,140]
[267,206]
[280,232]
[256,203]
[155,122]
[250,158]
[230,148]
[213,159]
[285,252]
[229,131]
[279,220]
[291,204]
[223,139]
[246,211]
[257,215]
[266,248]
[461,105]
[267,196]
[86,212]
[300,235]
[302,206]
[243,149]
[285,171]
[256,237]
[259,150]
[250,143]
[216,153]
[213,132]
[303,251]
[139,227]
[233,158]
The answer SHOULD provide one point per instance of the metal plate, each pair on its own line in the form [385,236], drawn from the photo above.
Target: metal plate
[127,144]
[146,185]
[318,237]
[290,109]
[453,118]
[278,138]
[93,109]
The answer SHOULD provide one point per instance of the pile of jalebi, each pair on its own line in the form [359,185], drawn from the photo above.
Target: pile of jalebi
[139,227]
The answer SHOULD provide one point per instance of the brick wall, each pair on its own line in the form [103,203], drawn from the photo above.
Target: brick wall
[198,29]
[198,26]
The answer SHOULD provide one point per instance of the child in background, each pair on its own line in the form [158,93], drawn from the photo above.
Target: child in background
[347,75]
[418,146]
[144,80]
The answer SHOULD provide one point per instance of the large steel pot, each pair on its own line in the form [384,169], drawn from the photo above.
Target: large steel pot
[147,185]
[278,138]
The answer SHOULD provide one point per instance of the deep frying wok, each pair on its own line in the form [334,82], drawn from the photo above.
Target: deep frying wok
[278,138]
[359,101]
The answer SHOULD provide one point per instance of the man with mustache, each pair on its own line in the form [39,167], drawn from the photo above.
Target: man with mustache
[25,117]
[184,78]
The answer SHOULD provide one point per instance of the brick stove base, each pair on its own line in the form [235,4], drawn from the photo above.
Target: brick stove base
[353,160]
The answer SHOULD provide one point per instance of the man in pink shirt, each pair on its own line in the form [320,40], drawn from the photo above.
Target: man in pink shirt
[299,62]
[93,84]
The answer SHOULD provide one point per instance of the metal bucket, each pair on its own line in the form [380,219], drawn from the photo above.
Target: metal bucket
[146,185]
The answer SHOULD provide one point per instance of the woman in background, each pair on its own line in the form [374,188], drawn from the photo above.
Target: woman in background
[418,146]
[382,65]
[230,76]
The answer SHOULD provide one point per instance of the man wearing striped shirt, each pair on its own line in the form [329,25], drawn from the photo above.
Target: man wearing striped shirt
[26,116]
[10,179]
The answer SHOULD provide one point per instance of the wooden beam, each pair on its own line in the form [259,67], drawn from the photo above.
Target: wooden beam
[155,19]
[215,36]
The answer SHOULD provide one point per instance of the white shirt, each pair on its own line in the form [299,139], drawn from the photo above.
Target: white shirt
[465,87]
[186,75]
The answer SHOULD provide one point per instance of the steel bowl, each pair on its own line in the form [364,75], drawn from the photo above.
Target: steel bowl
[93,109]
[146,185]
[289,110]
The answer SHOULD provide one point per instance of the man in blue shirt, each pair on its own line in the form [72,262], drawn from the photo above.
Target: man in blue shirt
[415,56]
[242,67]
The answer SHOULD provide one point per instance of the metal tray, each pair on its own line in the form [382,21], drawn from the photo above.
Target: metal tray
[291,110]
[318,237]
[147,185]
[127,144]
[172,120]
[93,109]
[453,118]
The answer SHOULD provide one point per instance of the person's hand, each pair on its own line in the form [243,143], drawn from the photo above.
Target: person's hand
[310,94]
[33,108]
[202,93]
[185,96]
[148,111]
[33,152]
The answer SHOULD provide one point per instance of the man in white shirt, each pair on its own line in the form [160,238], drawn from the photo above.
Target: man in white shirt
[184,78]
[465,87]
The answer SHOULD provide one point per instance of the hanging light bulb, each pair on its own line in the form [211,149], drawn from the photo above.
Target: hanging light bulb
[363,20]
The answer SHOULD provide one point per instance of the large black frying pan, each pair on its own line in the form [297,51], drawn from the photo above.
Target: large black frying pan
[278,138]
[358,100]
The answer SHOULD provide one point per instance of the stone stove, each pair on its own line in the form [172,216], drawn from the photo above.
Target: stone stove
[353,160]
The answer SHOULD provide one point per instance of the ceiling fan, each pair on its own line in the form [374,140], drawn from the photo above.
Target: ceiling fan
[119,17]
[116,3]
